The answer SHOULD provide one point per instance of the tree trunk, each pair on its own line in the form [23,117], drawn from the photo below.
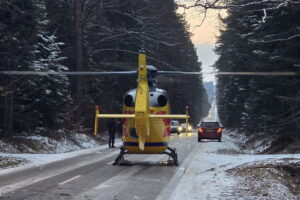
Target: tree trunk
[78,48]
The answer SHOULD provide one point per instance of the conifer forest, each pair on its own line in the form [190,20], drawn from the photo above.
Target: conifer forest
[89,35]
[105,35]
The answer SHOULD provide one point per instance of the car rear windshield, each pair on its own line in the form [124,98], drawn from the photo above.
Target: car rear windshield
[210,124]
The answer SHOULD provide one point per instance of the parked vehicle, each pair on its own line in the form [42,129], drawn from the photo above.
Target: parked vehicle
[175,127]
[183,128]
[210,130]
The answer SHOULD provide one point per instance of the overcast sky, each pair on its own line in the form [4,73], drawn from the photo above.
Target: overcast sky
[204,36]
[208,57]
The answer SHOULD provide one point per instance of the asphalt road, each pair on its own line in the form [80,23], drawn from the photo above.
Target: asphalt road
[92,176]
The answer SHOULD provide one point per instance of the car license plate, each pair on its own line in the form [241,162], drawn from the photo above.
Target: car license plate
[210,130]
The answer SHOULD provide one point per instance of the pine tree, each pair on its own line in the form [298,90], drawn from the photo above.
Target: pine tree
[17,30]
[35,101]
[53,91]
[257,38]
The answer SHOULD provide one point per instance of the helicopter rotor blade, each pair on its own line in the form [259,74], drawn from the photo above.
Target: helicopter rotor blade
[178,73]
[99,73]
[68,73]
[278,73]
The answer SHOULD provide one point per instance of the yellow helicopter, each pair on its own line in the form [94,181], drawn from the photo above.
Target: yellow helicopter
[146,116]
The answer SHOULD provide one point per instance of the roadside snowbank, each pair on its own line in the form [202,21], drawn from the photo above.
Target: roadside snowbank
[41,144]
[214,174]
[30,160]
[36,150]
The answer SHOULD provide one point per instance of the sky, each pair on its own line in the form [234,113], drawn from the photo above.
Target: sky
[204,37]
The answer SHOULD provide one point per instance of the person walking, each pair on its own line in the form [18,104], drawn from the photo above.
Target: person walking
[111,133]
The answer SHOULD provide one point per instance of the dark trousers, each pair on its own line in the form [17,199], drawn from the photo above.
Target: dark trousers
[111,140]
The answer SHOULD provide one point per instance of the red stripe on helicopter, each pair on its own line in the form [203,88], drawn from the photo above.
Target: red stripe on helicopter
[124,132]
[165,121]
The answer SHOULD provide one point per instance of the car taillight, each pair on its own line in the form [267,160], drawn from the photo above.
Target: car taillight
[219,130]
[200,130]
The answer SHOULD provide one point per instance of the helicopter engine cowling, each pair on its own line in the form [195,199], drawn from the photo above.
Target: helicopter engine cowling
[157,98]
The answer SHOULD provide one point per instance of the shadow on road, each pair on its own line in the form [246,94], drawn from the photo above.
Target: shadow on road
[147,163]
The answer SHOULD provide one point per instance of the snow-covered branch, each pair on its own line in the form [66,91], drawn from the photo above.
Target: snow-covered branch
[276,40]
[227,4]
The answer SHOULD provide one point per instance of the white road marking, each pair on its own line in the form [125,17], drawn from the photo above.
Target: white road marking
[95,150]
[169,188]
[181,170]
[49,174]
[69,180]
[12,187]
[102,186]
[119,181]
[109,163]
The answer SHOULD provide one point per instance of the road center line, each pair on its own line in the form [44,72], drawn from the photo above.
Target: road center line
[29,181]
[111,162]
[117,182]
[170,187]
[69,180]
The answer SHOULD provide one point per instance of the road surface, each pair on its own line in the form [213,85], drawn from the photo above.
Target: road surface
[92,176]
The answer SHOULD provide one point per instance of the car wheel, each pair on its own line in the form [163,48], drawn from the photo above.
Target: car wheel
[199,139]
[220,140]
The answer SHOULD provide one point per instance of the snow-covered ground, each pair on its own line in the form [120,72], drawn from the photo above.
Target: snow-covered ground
[219,171]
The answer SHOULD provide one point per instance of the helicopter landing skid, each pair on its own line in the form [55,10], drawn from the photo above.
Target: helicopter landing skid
[122,162]
[120,158]
[173,155]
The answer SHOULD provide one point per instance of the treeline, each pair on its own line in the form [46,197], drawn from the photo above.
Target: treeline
[81,35]
[260,36]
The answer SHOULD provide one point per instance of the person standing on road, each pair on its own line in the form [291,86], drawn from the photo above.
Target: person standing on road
[111,133]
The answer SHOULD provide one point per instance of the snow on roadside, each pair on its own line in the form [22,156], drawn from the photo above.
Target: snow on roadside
[42,159]
[208,176]
[7,161]
[40,150]
[41,144]
[268,179]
